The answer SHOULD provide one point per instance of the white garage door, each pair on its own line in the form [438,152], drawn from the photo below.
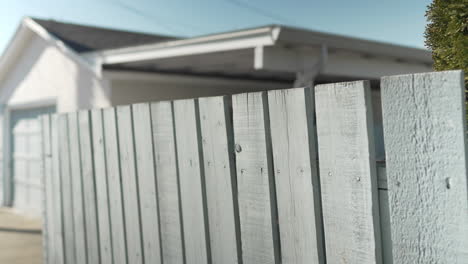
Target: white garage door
[26,151]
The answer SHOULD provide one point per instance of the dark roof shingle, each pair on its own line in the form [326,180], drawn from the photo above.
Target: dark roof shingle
[88,38]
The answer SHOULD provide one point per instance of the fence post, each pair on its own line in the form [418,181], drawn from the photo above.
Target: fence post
[425,140]
[348,174]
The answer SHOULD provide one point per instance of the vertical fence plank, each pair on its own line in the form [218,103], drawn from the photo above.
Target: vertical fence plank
[102,195]
[67,194]
[89,189]
[129,184]
[114,182]
[296,175]
[58,253]
[425,140]
[219,167]
[257,208]
[167,183]
[77,189]
[189,159]
[146,182]
[348,173]
[48,215]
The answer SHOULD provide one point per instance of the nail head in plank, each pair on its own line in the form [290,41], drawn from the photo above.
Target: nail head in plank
[255,183]
[348,174]
[189,159]
[296,175]
[167,182]
[219,167]
[425,141]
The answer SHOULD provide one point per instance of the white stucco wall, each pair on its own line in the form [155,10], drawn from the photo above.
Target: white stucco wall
[129,88]
[45,73]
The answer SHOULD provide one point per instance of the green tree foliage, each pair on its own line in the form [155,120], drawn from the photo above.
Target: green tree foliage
[447,35]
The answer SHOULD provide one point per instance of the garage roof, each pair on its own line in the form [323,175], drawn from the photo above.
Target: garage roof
[82,38]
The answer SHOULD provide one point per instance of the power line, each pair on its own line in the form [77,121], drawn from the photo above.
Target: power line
[260,11]
[148,16]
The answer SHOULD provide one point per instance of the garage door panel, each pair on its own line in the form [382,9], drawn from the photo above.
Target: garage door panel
[26,152]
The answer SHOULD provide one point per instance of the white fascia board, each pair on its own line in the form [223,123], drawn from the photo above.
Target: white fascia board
[209,44]
[44,34]
[295,36]
[18,42]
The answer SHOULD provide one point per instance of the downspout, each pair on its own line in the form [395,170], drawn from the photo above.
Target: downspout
[306,77]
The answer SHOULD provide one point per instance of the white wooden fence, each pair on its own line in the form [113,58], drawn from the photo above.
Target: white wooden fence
[286,176]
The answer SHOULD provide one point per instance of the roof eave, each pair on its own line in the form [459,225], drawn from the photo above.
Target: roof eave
[206,44]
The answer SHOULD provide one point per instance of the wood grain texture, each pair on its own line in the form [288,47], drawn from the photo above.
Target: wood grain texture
[48,213]
[167,183]
[114,182]
[425,141]
[77,189]
[189,161]
[348,173]
[146,183]
[296,175]
[67,193]
[130,190]
[255,180]
[89,190]
[219,167]
[102,196]
[58,253]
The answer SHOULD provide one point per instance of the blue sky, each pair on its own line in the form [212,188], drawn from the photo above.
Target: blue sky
[396,21]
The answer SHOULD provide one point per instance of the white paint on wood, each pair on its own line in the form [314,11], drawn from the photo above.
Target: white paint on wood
[167,183]
[189,159]
[89,190]
[257,208]
[129,184]
[114,183]
[48,213]
[102,195]
[77,189]
[348,174]
[425,140]
[296,175]
[57,253]
[64,159]
[146,183]
[219,167]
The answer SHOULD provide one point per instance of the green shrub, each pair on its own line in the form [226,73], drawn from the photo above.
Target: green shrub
[447,35]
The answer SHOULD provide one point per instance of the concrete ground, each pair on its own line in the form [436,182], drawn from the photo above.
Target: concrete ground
[20,238]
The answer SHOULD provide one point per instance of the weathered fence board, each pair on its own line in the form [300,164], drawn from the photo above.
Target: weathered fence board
[48,211]
[219,167]
[189,161]
[146,183]
[102,195]
[348,173]
[167,183]
[67,194]
[129,184]
[425,137]
[77,189]
[234,179]
[57,252]
[89,191]
[114,182]
[296,175]
[257,208]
